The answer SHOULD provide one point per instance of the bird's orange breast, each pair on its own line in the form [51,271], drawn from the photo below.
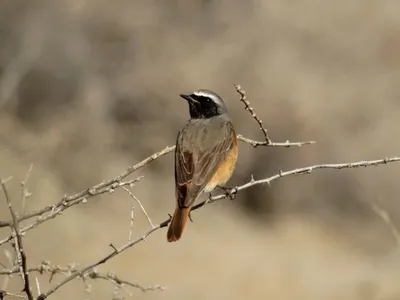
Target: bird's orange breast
[224,171]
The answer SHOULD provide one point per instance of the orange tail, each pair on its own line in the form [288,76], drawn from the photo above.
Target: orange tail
[177,224]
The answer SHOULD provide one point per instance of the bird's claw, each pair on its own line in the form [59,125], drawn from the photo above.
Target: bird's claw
[228,192]
[190,217]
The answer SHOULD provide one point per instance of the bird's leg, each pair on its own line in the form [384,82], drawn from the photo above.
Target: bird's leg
[227,191]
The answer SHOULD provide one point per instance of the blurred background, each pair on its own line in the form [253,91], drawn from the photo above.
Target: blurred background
[88,88]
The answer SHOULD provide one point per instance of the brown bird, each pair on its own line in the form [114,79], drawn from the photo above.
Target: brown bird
[205,154]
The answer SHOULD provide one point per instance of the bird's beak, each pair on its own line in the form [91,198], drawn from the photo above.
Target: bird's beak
[189,98]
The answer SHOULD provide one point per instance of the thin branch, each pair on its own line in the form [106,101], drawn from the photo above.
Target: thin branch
[18,245]
[59,208]
[247,107]
[131,222]
[38,286]
[3,294]
[103,260]
[120,282]
[141,206]
[10,260]
[267,141]
[24,192]
[101,188]
[47,267]
[385,217]
[286,144]
[252,182]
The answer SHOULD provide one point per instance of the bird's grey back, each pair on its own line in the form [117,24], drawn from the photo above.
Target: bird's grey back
[203,134]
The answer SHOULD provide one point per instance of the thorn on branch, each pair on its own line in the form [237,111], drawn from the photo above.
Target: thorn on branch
[24,191]
[250,109]
[19,248]
[113,247]
[267,141]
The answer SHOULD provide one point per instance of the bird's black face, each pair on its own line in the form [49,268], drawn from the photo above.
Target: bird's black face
[204,104]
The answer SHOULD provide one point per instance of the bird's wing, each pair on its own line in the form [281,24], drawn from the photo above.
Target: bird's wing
[193,169]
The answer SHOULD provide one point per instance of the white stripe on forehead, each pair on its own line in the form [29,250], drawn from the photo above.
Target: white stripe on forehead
[206,93]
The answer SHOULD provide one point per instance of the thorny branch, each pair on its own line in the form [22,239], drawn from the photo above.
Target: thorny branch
[101,261]
[267,141]
[72,268]
[71,201]
[141,206]
[247,107]
[252,182]
[24,192]
[90,271]
[19,248]
[113,278]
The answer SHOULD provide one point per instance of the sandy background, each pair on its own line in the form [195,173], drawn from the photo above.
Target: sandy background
[90,87]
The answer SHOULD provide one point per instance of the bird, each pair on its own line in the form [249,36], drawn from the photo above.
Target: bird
[205,154]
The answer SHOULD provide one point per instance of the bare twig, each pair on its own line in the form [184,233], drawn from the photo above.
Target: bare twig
[24,192]
[10,259]
[70,269]
[3,294]
[131,222]
[38,286]
[141,206]
[46,267]
[18,245]
[60,207]
[267,141]
[103,260]
[286,144]
[385,217]
[94,274]
[247,107]
[101,188]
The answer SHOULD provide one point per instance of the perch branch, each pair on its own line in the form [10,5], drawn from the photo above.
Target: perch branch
[300,171]
[252,182]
